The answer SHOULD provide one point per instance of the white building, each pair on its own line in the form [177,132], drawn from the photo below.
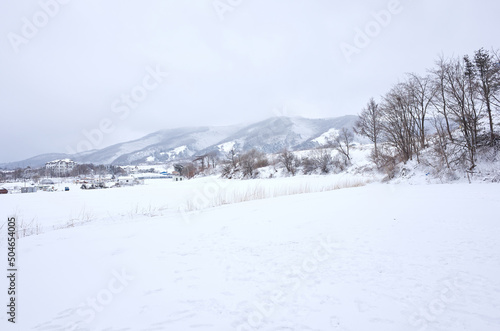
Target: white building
[60,167]
[178,178]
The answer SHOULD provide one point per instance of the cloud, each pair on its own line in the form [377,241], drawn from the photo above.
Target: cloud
[263,55]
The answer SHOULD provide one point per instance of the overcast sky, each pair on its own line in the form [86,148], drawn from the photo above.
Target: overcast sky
[69,67]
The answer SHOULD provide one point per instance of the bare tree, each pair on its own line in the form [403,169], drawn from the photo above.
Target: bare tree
[18,173]
[440,101]
[343,144]
[487,75]
[369,124]
[323,160]
[232,157]
[462,97]
[404,111]
[289,161]
[227,170]
[252,160]
[230,164]
[442,145]
[496,65]
[178,167]
[398,122]
[421,93]
[203,159]
[308,165]
[212,158]
[188,170]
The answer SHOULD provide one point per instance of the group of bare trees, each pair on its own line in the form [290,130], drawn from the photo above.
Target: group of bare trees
[93,169]
[320,160]
[245,164]
[233,164]
[454,105]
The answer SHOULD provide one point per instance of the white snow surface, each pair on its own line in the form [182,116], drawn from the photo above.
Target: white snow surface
[226,147]
[379,257]
[176,151]
[330,135]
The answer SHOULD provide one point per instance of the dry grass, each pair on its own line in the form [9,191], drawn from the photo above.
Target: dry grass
[149,211]
[31,228]
[24,228]
[84,216]
[230,196]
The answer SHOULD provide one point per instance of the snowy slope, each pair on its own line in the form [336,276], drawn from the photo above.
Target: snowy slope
[326,137]
[274,134]
[379,257]
[160,142]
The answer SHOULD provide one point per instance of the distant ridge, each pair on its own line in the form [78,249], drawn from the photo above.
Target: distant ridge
[270,136]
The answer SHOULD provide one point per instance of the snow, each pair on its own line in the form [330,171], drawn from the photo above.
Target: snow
[226,147]
[330,135]
[378,257]
[172,154]
[179,150]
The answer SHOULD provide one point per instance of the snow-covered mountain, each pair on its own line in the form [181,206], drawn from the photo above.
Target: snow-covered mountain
[270,136]
[276,133]
[164,145]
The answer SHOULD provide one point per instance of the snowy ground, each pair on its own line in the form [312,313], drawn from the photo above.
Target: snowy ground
[49,210]
[161,257]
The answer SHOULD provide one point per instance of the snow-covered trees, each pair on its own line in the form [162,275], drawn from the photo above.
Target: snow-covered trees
[245,164]
[369,124]
[457,102]
[398,124]
[343,144]
[289,161]
[488,84]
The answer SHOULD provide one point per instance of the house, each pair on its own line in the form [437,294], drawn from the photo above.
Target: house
[178,178]
[127,180]
[60,167]
[47,181]
[29,189]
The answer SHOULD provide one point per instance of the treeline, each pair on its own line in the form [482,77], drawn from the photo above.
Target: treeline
[451,108]
[236,164]
[229,165]
[94,169]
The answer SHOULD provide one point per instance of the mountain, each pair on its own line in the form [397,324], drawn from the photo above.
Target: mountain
[36,161]
[270,136]
[164,145]
[276,133]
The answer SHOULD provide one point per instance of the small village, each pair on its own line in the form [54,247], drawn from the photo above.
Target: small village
[61,175]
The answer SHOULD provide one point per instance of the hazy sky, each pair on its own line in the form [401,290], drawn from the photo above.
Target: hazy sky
[86,74]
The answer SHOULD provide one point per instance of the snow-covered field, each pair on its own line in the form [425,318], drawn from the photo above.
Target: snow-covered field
[182,256]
